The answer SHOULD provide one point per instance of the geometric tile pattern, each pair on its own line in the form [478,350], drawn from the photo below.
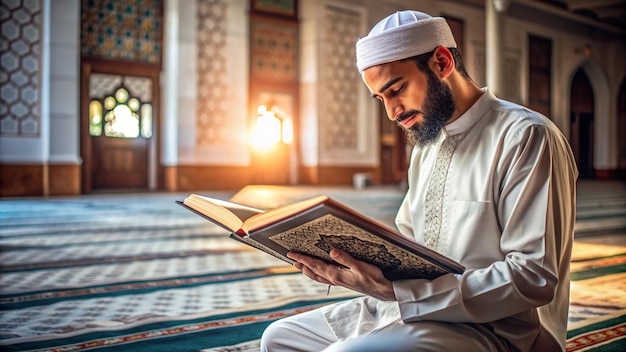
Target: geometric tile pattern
[102,85]
[140,87]
[274,50]
[341,79]
[275,7]
[113,272]
[126,30]
[20,45]
[211,42]
[174,264]
[122,310]
[80,266]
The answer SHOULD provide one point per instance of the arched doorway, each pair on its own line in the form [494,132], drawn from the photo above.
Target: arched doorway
[582,123]
[120,54]
[124,157]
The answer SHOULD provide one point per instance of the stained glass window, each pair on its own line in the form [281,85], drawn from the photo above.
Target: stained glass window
[120,115]
[95,118]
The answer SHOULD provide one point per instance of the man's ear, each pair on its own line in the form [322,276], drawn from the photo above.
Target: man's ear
[443,62]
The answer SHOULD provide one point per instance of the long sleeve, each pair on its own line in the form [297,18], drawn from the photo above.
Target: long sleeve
[510,218]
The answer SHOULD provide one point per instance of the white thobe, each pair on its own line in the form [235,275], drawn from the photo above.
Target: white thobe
[508,216]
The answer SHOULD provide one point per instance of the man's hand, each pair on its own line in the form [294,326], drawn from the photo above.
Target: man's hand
[356,275]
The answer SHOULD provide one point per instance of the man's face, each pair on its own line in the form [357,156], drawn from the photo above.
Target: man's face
[418,102]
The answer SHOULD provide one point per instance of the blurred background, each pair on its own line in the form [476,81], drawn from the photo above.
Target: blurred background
[105,96]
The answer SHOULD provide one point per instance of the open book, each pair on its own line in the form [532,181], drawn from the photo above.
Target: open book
[316,225]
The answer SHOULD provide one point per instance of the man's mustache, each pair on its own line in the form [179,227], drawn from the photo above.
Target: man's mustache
[406,115]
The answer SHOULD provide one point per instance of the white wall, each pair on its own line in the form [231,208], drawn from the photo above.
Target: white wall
[64,77]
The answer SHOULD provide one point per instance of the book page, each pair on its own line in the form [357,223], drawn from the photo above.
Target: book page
[241,211]
[226,214]
[275,215]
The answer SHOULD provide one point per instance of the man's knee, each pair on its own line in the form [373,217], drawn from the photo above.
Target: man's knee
[304,332]
[273,335]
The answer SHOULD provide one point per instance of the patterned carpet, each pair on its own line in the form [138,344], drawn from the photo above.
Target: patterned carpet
[140,273]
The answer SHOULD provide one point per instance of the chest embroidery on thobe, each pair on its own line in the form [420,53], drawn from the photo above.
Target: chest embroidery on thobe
[434,236]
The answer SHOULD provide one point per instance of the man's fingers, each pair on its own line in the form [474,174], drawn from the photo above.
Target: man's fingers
[311,274]
[343,258]
[351,273]
[314,269]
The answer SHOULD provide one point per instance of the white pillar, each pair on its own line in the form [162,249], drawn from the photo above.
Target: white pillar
[169,135]
[495,48]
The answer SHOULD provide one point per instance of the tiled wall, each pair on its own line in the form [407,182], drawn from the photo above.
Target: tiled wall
[341,88]
[20,44]
[211,39]
[126,30]
[39,140]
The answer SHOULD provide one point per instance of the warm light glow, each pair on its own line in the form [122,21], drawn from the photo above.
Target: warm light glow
[270,130]
[123,116]
[109,103]
[133,104]
[121,95]
[123,123]
[95,118]
[146,120]
[287,131]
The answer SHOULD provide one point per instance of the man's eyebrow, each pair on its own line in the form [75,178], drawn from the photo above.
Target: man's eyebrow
[387,85]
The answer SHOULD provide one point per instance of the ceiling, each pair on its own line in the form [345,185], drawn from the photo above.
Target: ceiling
[608,12]
[604,14]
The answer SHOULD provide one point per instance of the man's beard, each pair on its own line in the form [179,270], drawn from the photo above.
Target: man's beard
[437,110]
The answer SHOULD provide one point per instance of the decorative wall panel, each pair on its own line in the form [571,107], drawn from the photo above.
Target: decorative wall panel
[125,30]
[212,112]
[20,45]
[101,85]
[274,46]
[341,79]
[275,7]
[140,87]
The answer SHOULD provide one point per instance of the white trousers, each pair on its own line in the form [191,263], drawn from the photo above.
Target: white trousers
[310,332]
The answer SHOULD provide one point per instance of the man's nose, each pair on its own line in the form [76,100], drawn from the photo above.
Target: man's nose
[393,111]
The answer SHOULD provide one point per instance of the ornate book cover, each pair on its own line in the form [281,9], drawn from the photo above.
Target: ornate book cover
[323,223]
[332,225]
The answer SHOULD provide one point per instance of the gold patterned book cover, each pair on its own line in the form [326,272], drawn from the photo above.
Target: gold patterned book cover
[316,225]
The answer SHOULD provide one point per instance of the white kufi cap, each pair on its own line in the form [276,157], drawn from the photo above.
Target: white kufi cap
[402,35]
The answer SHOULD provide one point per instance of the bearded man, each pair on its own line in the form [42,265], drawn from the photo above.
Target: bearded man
[491,185]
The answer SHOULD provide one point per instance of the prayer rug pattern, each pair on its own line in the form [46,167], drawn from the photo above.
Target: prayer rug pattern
[139,273]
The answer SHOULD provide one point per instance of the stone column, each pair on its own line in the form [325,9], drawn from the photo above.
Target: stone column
[495,48]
